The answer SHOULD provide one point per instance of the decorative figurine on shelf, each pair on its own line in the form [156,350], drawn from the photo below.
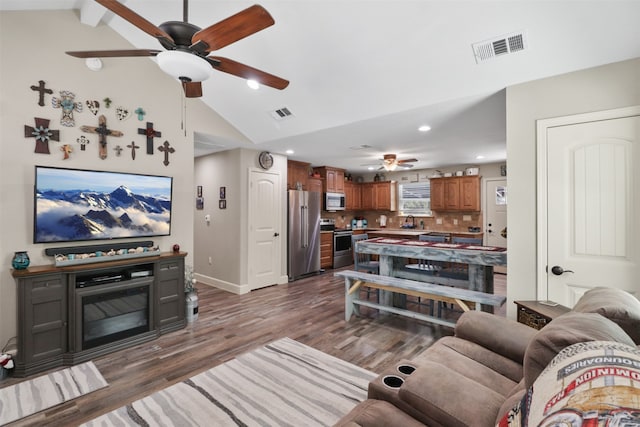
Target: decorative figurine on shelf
[42,90]
[176,248]
[42,134]
[69,105]
[20,260]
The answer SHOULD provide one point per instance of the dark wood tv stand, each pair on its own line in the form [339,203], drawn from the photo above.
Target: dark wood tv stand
[50,316]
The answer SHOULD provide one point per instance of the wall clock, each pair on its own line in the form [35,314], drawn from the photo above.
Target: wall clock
[266,160]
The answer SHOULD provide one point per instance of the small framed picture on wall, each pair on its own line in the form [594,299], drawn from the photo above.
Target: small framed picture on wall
[199,203]
[222,204]
[223,193]
[199,191]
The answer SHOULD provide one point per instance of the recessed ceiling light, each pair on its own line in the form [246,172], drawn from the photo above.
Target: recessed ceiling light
[424,128]
[253,84]
[479,157]
[289,151]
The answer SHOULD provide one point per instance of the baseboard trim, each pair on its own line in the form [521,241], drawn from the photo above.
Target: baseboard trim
[222,284]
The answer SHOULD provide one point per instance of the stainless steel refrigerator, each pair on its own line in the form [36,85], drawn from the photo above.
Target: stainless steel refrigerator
[304,233]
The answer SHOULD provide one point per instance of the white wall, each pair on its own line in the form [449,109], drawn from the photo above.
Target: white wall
[601,88]
[32,46]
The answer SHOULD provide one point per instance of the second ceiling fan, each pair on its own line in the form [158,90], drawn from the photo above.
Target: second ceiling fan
[188,46]
[390,162]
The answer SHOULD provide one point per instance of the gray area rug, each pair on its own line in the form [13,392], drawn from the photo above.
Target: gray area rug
[35,395]
[284,383]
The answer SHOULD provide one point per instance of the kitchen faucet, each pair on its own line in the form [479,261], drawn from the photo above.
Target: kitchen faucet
[413,221]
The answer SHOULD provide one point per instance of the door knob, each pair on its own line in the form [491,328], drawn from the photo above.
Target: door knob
[557,270]
[276,234]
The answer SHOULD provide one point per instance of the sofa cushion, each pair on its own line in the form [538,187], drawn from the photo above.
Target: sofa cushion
[447,398]
[563,331]
[590,383]
[505,337]
[616,305]
[475,362]
[377,413]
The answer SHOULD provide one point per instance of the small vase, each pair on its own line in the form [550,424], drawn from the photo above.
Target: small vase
[20,260]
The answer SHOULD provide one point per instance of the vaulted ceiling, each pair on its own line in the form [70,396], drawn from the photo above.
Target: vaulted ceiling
[365,74]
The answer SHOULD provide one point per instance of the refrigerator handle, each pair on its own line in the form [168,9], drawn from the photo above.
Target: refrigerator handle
[304,214]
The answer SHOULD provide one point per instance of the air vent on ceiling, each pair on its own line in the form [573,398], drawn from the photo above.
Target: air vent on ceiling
[510,43]
[281,113]
[360,147]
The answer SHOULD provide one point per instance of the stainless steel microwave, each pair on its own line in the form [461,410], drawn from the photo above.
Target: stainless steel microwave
[334,202]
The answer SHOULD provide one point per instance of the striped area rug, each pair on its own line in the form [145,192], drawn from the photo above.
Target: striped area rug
[31,396]
[284,383]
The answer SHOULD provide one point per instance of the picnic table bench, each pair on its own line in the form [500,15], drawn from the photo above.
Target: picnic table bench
[466,299]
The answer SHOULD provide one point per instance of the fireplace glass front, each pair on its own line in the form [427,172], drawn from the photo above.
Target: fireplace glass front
[113,312]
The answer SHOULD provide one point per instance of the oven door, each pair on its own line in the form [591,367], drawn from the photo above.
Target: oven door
[342,252]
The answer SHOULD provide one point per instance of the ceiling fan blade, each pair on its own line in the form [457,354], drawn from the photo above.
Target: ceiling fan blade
[135,19]
[234,28]
[113,53]
[246,72]
[192,89]
[405,166]
[407,161]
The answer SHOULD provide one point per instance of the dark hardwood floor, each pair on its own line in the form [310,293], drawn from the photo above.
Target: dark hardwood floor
[310,311]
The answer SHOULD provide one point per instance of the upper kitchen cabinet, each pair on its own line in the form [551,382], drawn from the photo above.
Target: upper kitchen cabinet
[297,173]
[378,196]
[455,194]
[315,184]
[352,195]
[333,179]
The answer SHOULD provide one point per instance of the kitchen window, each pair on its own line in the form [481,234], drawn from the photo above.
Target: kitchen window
[415,199]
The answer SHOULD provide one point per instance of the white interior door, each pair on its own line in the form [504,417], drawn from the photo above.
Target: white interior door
[495,215]
[265,218]
[592,204]
[495,190]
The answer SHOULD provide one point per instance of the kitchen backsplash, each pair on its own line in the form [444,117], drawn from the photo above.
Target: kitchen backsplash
[441,221]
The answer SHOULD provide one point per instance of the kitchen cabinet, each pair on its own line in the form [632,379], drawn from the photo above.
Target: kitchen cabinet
[326,250]
[333,179]
[297,172]
[314,184]
[378,196]
[352,195]
[455,194]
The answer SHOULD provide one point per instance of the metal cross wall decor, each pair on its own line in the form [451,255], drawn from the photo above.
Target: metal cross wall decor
[42,134]
[166,149]
[41,89]
[150,133]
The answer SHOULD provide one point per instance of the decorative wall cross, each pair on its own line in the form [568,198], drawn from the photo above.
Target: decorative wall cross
[104,132]
[66,149]
[40,88]
[42,134]
[133,147]
[151,133]
[118,150]
[83,141]
[68,105]
[140,112]
[166,149]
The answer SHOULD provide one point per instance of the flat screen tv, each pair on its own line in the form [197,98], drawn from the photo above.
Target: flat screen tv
[75,205]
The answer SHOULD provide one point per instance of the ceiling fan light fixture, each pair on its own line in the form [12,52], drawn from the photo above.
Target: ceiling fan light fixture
[390,166]
[184,66]
[253,84]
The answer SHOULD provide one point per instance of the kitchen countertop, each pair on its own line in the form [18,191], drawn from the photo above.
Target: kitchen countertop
[397,232]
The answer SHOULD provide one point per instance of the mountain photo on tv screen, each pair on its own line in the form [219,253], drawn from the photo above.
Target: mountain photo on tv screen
[75,205]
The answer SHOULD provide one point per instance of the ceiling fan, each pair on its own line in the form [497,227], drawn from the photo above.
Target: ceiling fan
[187,46]
[390,162]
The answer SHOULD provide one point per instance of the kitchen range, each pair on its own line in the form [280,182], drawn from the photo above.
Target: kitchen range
[342,251]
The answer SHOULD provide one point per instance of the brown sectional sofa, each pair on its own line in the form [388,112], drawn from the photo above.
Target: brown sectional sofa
[476,376]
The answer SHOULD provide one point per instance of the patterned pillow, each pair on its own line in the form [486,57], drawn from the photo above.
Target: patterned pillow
[593,383]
